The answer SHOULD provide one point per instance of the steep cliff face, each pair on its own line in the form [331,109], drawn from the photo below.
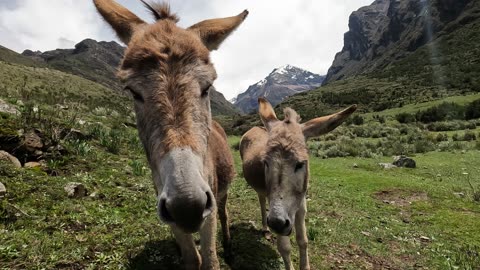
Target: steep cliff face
[278,85]
[388,30]
[98,62]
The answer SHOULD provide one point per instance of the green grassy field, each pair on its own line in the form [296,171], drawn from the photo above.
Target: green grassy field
[363,217]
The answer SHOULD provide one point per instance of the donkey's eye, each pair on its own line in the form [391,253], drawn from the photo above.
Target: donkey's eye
[206,90]
[299,166]
[135,94]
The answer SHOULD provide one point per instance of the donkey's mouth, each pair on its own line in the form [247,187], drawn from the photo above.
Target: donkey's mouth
[286,233]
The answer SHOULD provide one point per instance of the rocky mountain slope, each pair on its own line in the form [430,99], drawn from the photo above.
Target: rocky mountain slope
[95,61]
[98,62]
[446,68]
[389,30]
[415,79]
[280,83]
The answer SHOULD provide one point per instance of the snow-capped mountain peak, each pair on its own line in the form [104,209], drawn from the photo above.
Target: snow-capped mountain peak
[281,83]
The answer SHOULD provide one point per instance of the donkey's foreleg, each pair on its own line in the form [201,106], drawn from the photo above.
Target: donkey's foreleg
[284,247]
[301,236]
[208,248]
[223,214]
[263,209]
[190,256]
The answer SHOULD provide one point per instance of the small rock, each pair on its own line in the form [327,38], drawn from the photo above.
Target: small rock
[75,190]
[355,165]
[424,239]
[81,238]
[252,223]
[404,161]
[7,157]
[3,190]
[406,220]
[387,166]
[31,165]
[366,233]
[77,134]
[33,142]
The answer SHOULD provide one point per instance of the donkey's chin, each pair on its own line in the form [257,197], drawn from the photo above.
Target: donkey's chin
[286,232]
[186,227]
[191,227]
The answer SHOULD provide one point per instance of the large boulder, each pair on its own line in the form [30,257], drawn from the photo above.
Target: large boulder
[404,161]
[13,160]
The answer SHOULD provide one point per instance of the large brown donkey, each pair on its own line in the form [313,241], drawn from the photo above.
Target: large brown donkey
[275,164]
[168,71]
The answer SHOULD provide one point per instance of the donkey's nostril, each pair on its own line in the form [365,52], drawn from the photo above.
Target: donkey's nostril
[287,223]
[164,214]
[208,205]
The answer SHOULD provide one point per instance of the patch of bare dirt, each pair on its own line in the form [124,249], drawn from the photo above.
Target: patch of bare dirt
[399,197]
[355,256]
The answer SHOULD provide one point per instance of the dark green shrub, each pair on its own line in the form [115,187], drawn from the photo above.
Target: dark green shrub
[469,136]
[405,118]
[472,111]
[441,137]
[358,120]
[442,112]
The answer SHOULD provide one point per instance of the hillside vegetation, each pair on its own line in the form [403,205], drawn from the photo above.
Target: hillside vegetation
[9,56]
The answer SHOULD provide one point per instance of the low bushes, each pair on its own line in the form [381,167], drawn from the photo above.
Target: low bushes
[446,111]
[374,139]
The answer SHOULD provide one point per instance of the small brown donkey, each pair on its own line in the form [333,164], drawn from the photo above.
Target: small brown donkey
[275,164]
[168,71]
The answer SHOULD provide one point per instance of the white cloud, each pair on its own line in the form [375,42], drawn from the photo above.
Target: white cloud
[42,25]
[304,33]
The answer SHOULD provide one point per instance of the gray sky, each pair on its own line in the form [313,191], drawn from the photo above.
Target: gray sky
[303,33]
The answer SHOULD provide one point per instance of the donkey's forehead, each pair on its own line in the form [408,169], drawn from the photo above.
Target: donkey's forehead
[164,41]
[287,139]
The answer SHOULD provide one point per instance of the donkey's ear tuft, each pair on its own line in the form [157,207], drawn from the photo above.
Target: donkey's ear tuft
[325,124]
[121,19]
[267,114]
[161,11]
[213,32]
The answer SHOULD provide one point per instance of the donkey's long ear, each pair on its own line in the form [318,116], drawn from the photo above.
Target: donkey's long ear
[121,19]
[267,114]
[213,32]
[325,124]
